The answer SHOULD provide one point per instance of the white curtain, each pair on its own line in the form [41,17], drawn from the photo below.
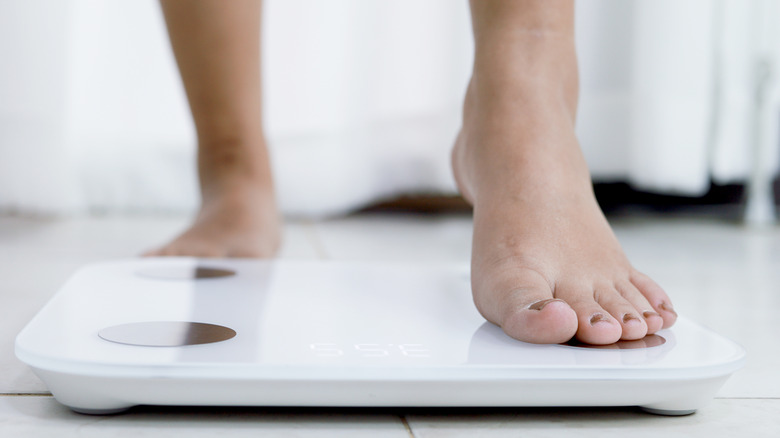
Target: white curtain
[362,100]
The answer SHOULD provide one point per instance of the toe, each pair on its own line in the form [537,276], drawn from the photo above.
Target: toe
[630,293]
[632,323]
[528,313]
[542,321]
[656,296]
[195,246]
[595,324]
[194,249]
[205,252]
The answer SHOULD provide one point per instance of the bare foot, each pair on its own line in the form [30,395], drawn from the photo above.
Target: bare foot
[546,266]
[238,216]
[217,48]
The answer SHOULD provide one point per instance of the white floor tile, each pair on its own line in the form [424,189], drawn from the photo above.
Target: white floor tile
[397,238]
[116,236]
[722,418]
[43,417]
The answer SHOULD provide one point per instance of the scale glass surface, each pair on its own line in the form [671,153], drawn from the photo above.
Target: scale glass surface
[184,331]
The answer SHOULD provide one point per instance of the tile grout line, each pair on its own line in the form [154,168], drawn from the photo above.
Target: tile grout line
[315,240]
[747,398]
[406,425]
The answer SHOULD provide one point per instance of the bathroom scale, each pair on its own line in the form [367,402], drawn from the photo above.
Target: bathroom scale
[186,331]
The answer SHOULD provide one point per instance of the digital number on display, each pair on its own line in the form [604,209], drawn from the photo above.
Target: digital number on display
[370,350]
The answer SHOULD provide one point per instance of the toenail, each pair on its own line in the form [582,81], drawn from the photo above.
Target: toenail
[539,305]
[649,313]
[599,317]
[629,317]
[668,307]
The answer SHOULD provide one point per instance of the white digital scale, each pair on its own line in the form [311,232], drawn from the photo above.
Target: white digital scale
[184,331]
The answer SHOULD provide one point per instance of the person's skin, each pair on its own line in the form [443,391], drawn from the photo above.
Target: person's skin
[546,266]
[217,48]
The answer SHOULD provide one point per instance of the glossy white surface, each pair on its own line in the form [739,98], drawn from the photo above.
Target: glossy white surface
[361,324]
[341,316]
[718,273]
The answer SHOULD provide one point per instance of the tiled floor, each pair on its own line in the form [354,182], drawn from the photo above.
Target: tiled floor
[718,273]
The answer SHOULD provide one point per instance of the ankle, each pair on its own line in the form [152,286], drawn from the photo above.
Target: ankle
[524,95]
[523,137]
[536,73]
[234,164]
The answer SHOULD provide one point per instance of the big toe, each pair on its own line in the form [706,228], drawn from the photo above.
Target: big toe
[543,321]
[523,305]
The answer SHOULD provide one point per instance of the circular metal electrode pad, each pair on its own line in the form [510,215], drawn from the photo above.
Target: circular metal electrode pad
[184,272]
[646,342]
[166,333]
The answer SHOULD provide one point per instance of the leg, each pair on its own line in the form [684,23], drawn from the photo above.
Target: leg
[217,48]
[545,265]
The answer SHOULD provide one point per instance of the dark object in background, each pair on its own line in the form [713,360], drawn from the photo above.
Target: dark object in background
[615,199]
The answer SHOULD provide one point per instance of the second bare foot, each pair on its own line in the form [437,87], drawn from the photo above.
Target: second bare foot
[238,216]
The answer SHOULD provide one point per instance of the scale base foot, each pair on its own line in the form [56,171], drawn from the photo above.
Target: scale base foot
[88,411]
[668,412]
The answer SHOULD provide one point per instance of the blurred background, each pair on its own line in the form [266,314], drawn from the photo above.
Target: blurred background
[678,119]
[362,102]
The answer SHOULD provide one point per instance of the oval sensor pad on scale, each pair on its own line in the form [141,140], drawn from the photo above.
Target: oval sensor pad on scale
[166,333]
[184,272]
